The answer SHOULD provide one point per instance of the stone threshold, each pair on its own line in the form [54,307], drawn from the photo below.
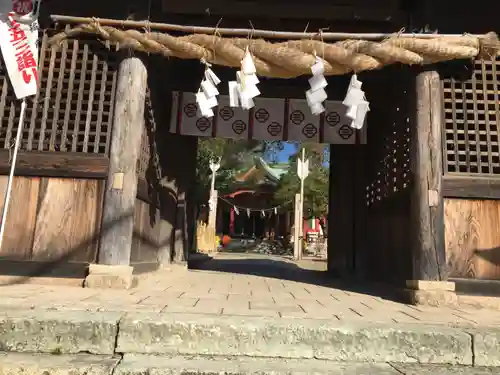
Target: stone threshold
[115,333]
[85,364]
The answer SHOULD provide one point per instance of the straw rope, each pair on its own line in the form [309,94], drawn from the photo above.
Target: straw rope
[294,58]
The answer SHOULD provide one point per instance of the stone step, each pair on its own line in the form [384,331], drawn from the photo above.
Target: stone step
[47,364]
[85,364]
[109,333]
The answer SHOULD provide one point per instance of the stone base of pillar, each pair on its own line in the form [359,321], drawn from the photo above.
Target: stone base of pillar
[109,277]
[431,293]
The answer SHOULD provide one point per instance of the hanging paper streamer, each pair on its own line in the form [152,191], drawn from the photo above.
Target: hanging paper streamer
[262,213]
[236,211]
[206,97]
[248,212]
[356,103]
[276,210]
[317,94]
[244,89]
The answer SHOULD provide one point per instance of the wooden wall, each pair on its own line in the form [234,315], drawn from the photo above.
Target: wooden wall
[52,219]
[152,234]
[382,187]
[471,183]
[473,238]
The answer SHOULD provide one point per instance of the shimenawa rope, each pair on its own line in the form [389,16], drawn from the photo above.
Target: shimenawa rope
[295,57]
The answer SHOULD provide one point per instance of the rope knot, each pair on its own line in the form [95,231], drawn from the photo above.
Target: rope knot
[97,26]
[489,46]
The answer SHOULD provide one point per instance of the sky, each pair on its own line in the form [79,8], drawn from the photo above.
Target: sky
[289,149]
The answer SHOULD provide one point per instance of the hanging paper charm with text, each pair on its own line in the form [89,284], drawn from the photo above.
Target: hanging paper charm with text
[18,43]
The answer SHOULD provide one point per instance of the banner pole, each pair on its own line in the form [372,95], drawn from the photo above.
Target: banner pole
[8,191]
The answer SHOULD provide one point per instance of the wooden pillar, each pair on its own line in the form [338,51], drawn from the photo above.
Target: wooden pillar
[121,187]
[341,214]
[184,174]
[231,221]
[427,212]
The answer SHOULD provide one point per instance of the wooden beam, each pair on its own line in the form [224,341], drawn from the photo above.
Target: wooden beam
[427,210]
[256,33]
[121,188]
[56,164]
[471,187]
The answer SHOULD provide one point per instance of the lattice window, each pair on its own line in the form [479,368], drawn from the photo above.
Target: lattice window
[74,107]
[472,120]
[388,147]
[144,156]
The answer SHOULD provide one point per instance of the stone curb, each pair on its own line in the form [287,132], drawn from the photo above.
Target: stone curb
[292,338]
[47,364]
[107,333]
[58,332]
[140,365]
[85,364]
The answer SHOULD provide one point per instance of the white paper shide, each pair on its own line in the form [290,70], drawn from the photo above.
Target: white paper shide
[356,103]
[316,95]
[206,97]
[244,89]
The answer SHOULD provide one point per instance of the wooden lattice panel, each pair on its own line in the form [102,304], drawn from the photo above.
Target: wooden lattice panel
[472,120]
[73,109]
[143,160]
[388,147]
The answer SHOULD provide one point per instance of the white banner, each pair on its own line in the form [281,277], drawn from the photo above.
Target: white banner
[18,43]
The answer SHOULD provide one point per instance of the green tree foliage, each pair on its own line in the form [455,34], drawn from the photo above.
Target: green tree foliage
[234,155]
[316,185]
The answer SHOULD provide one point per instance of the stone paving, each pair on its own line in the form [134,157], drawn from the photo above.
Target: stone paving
[252,289]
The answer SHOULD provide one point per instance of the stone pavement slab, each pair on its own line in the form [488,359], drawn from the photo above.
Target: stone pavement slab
[228,294]
[285,314]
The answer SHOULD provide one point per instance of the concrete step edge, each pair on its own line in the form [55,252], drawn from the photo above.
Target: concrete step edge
[107,333]
[85,364]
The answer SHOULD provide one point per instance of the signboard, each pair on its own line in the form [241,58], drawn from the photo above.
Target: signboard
[271,119]
[18,43]
[231,122]
[303,126]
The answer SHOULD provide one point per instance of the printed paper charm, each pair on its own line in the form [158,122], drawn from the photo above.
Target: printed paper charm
[244,89]
[236,211]
[276,210]
[356,103]
[248,212]
[317,94]
[263,213]
[206,97]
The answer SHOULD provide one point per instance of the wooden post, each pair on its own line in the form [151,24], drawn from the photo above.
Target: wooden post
[121,187]
[427,212]
[180,233]
[296,229]
[341,209]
